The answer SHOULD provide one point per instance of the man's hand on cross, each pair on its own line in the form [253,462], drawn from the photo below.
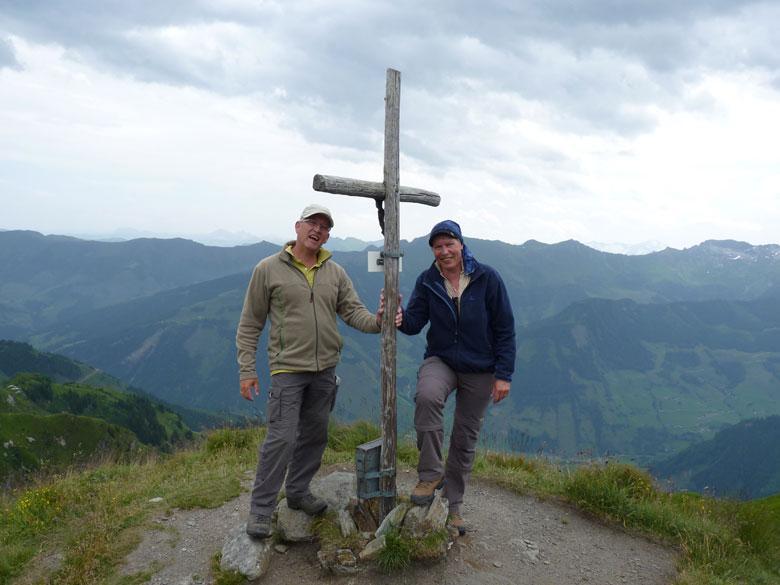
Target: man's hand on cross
[399,314]
[249,386]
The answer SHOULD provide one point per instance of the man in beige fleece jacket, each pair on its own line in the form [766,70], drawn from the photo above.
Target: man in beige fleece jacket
[301,290]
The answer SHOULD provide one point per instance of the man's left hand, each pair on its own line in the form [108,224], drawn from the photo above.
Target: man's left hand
[500,390]
[399,314]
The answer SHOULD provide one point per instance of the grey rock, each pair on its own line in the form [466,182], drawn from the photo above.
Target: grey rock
[345,556]
[415,519]
[373,549]
[326,561]
[345,562]
[281,548]
[244,555]
[393,520]
[339,562]
[346,523]
[436,518]
[336,488]
[293,525]
[530,549]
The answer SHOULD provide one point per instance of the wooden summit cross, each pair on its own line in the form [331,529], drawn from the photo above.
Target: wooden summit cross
[391,193]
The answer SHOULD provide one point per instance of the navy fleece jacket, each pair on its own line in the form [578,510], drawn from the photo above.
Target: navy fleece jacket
[482,337]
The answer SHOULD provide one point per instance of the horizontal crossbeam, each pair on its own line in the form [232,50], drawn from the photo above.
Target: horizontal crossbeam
[371,189]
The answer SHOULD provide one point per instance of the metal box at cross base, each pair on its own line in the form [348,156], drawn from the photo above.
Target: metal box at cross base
[368,463]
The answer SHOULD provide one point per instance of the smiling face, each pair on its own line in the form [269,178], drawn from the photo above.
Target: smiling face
[448,253]
[311,233]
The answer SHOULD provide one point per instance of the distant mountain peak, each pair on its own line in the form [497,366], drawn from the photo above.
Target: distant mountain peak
[637,249]
[737,250]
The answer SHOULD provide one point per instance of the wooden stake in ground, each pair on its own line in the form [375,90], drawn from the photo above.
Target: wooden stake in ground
[391,193]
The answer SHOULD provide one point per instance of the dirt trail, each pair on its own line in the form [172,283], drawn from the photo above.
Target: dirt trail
[519,540]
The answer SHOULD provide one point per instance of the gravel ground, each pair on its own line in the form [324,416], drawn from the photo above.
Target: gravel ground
[518,540]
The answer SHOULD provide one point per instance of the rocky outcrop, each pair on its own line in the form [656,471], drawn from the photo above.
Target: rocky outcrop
[293,525]
[245,555]
[251,557]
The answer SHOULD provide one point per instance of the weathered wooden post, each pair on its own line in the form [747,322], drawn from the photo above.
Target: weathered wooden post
[391,193]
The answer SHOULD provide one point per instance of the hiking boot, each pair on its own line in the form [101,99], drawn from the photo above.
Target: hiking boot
[456,522]
[423,492]
[258,526]
[309,503]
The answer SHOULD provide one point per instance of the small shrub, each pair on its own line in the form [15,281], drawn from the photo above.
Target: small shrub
[638,483]
[35,511]
[396,555]
[347,437]
[607,487]
[431,546]
[328,532]
[407,453]
[224,577]
[511,462]
[234,439]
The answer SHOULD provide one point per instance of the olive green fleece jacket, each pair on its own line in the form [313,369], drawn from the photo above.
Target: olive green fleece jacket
[304,336]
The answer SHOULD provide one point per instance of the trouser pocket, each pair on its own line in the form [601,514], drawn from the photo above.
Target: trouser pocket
[336,384]
[274,408]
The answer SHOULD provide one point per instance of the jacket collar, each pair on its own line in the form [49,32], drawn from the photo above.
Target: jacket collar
[286,254]
[470,266]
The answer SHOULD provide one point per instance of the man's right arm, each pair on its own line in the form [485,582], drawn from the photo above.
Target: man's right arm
[250,326]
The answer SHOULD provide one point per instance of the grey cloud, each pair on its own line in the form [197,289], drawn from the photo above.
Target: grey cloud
[598,63]
[7,55]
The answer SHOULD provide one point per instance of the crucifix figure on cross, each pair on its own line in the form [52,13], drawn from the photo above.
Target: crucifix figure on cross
[391,194]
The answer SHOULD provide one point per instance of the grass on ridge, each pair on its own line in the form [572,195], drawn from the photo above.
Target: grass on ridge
[95,517]
[721,541]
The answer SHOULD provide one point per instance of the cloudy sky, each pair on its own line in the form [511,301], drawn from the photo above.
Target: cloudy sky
[595,120]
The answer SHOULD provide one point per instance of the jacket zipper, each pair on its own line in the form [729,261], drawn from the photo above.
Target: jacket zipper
[449,304]
[316,325]
[443,298]
[314,310]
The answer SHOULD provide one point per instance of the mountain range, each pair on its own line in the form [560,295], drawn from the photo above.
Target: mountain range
[740,461]
[55,412]
[639,356]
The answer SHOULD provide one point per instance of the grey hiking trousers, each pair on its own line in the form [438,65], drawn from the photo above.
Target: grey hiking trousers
[299,406]
[435,382]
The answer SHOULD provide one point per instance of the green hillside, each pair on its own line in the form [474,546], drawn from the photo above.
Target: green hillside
[16,357]
[637,380]
[180,345]
[639,356]
[151,422]
[740,461]
[644,380]
[46,425]
[33,442]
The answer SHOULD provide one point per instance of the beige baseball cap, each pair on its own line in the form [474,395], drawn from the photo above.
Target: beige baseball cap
[314,209]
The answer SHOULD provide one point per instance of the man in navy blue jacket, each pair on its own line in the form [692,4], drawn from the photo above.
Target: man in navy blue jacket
[471,350]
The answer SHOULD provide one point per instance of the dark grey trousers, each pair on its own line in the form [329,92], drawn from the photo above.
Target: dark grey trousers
[298,410]
[435,382]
